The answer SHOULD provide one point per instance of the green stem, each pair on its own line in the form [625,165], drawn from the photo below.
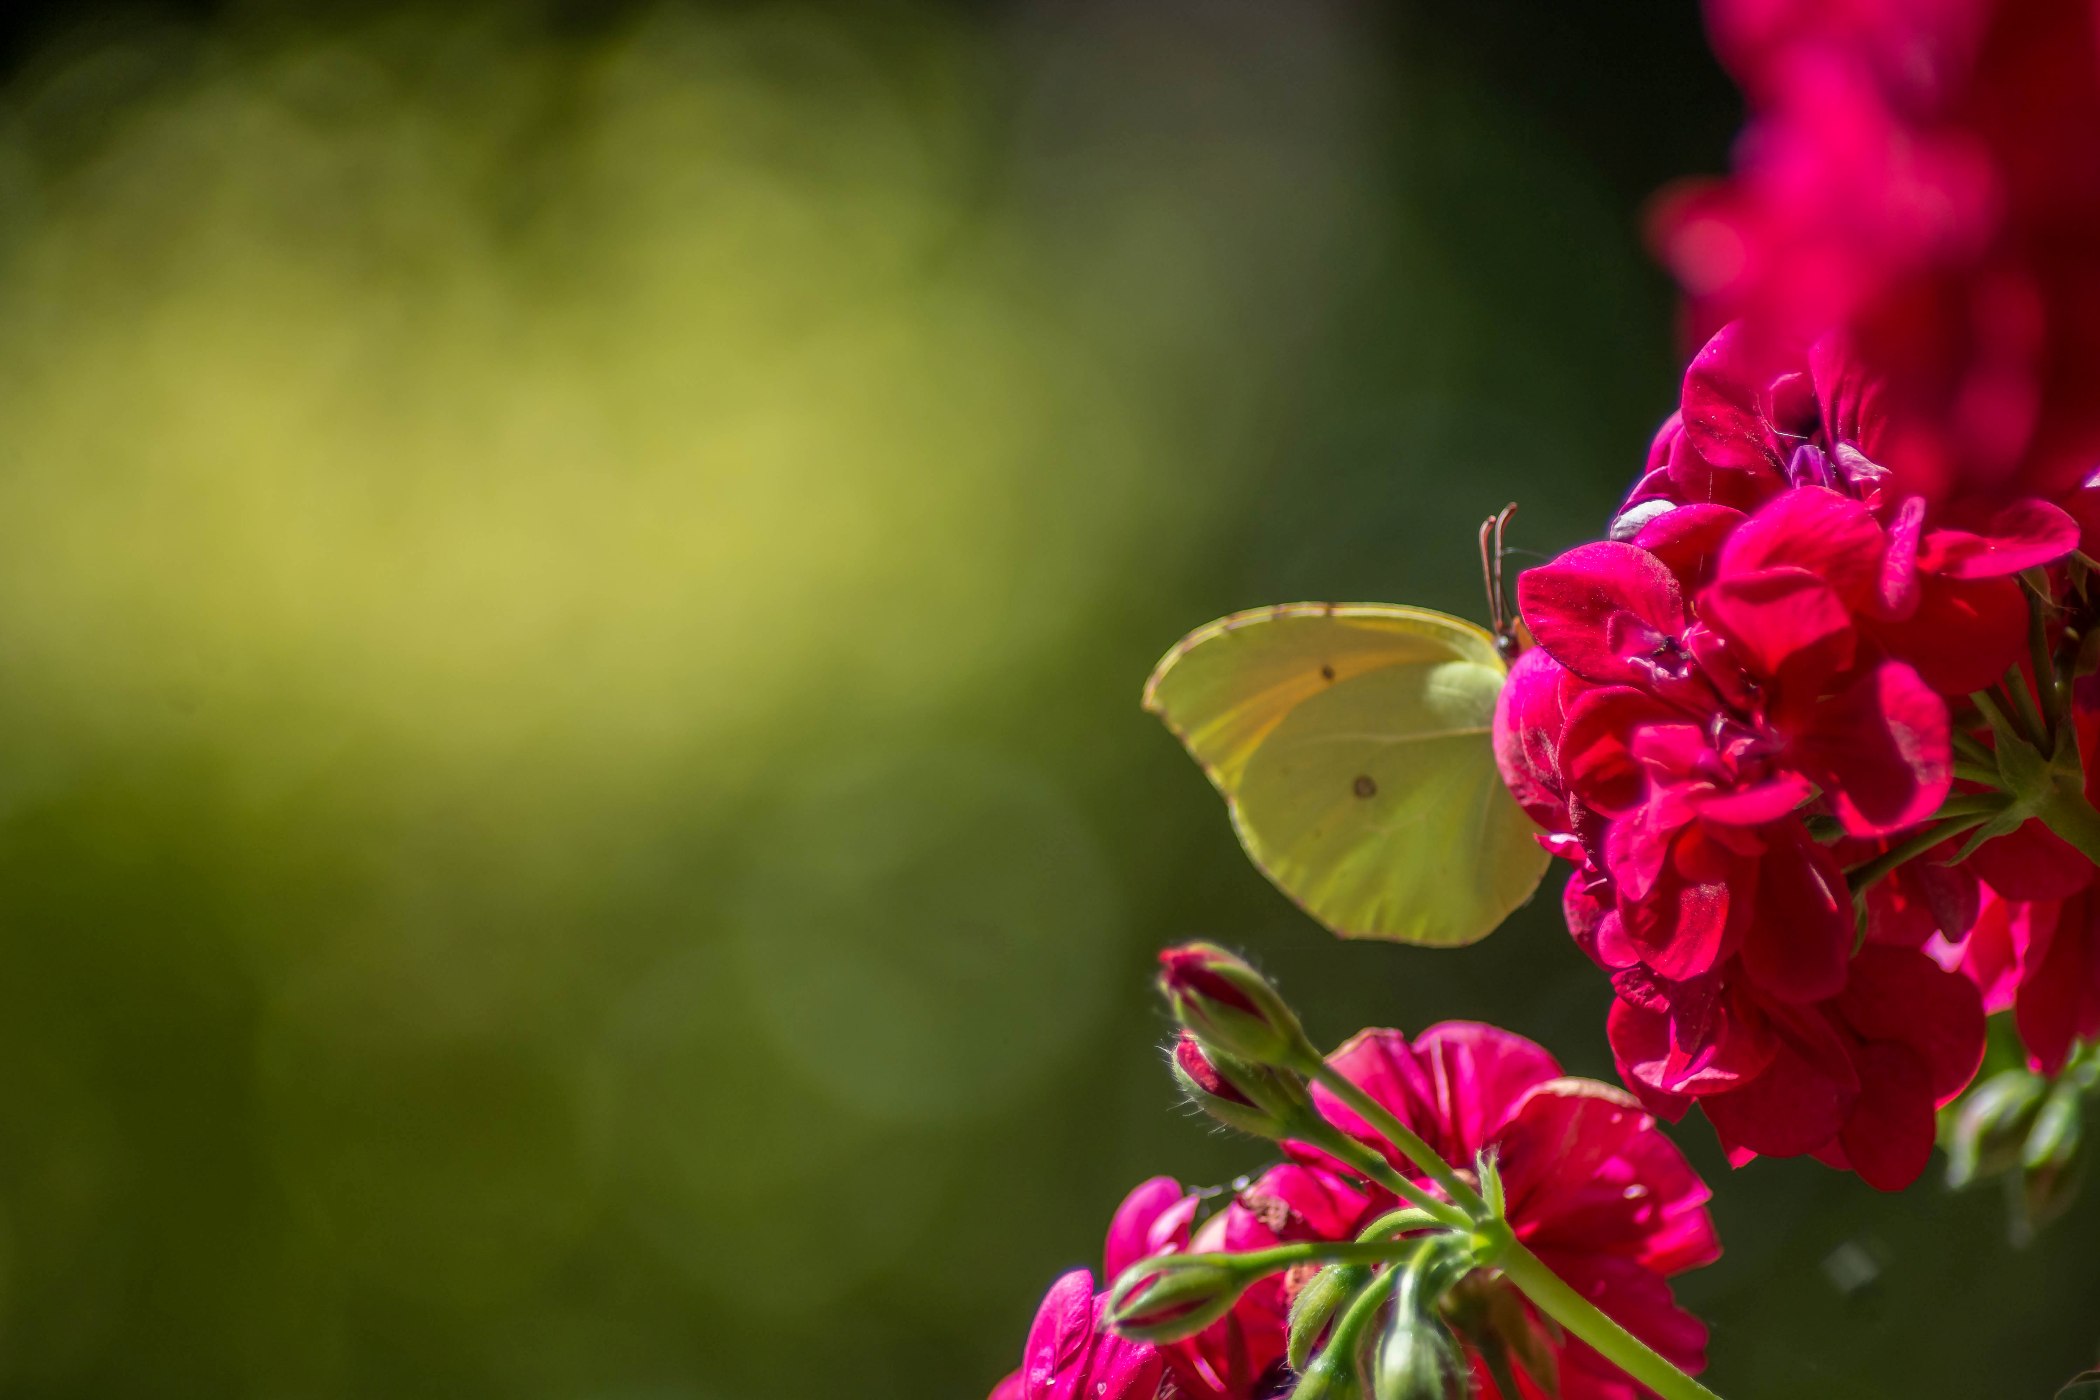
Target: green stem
[1580,1316]
[2044,665]
[2001,723]
[1372,1164]
[1335,1365]
[1277,1258]
[1402,1137]
[2021,702]
[1863,876]
[1970,771]
[1395,1222]
[1973,749]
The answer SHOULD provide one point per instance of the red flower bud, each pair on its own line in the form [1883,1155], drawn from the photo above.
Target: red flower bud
[1230,1007]
[1263,1102]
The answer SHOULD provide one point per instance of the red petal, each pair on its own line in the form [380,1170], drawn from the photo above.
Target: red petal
[1681,927]
[1603,610]
[1833,537]
[1734,391]
[1880,746]
[2045,1008]
[2015,535]
[1795,1106]
[1688,539]
[1784,623]
[2032,863]
[1800,939]
[1900,995]
[1529,718]
[1964,634]
[1596,756]
[1888,1136]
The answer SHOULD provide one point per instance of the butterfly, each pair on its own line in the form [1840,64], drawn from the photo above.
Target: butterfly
[1353,743]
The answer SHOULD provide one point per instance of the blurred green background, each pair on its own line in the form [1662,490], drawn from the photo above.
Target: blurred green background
[573,586]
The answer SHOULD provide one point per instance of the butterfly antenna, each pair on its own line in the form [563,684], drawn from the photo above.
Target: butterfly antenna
[1501,616]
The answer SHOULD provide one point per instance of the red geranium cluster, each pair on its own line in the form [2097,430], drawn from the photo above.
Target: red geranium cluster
[1592,1185]
[1920,177]
[1758,681]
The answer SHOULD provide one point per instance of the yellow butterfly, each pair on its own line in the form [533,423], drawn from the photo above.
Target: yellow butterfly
[1353,744]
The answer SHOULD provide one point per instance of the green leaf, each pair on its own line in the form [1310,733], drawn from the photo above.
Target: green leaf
[1353,744]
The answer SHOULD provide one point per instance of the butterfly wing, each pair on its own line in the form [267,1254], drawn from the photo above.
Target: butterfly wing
[1353,744]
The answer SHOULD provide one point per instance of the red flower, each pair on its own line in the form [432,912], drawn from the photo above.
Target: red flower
[1697,689]
[1670,749]
[1931,580]
[1918,178]
[1854,1079]
[2034,945]
[1593,1186]
[1070,1357]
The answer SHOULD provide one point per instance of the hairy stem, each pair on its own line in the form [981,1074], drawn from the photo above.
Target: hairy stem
[1373,1165]
[1402,1137]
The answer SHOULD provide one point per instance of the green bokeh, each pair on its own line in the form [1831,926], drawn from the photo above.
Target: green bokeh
[573,587]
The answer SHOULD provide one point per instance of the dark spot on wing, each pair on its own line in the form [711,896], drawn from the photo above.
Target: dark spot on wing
[1327,673]
[1363,786]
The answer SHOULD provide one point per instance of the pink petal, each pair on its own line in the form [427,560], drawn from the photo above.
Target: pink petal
[1295,1202]
[1593,922]
[1683,1039]
[1880,746]
[1153,1218]
[1607,611]
[1012,1388]
[1060,1339]
[1529,718]
[1758,804]
[1637,1300]
[1998,540]
[1121,1370]
[1478,1073]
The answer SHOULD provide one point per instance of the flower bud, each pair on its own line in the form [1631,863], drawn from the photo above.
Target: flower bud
[2052,1164]
[1267,1103]
[1990,1127]
[1172,1296]
[1331,1376]
[1324,1295]
[1230,1007]
[1419,1359]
